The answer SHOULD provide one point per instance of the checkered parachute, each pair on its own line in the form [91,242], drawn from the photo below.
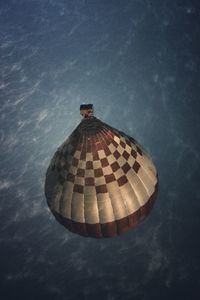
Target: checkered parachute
[100,183]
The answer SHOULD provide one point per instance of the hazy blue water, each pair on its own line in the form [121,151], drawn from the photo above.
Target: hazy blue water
[138,63]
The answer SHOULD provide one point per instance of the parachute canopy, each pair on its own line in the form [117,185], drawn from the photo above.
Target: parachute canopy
[100,182]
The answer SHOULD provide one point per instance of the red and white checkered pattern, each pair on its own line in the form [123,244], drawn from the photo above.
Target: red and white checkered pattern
[100,182]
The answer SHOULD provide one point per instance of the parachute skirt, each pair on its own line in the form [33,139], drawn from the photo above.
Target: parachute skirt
[100,182]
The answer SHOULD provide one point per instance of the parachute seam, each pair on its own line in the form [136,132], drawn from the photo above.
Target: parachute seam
[122,197]
[97,137]
[142,185]
[83,189]
[79,141]
[147,177]
[109,193]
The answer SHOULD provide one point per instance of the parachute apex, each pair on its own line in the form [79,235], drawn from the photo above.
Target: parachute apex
[86,110]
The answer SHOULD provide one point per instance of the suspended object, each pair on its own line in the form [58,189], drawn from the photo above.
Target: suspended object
[100,182]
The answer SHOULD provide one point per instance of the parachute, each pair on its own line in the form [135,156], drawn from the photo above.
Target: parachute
[100,182]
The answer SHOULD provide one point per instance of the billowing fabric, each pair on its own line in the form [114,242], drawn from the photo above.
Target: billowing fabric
[100,183]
